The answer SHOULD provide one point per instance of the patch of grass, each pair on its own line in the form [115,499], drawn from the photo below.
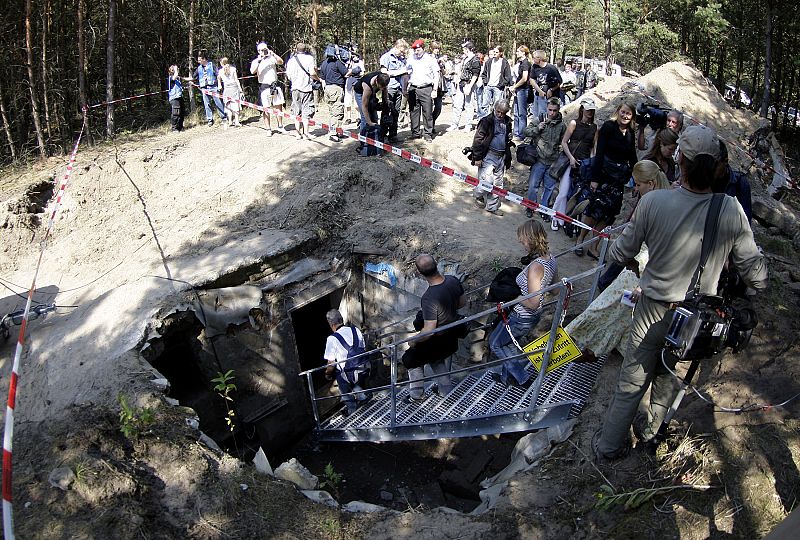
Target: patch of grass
[778,245]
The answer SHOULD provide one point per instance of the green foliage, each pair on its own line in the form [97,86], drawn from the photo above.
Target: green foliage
[133,420]
[331,480]
[223,388]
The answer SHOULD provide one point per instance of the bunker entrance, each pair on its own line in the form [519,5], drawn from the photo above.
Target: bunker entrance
[311,330]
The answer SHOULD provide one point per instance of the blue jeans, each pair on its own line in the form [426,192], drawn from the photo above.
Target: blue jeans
[501,345]
[539,107]
[520,111]
[490,96]
[480,105]
[354,382]
[207,105]
[537,175]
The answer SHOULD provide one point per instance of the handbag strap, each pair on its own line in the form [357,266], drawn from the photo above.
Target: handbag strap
[299,63]
[709,237]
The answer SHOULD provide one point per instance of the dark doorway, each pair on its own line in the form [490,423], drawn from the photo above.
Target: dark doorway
[311,330]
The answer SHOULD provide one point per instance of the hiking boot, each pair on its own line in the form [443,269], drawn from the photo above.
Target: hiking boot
[480,202]
[602,458]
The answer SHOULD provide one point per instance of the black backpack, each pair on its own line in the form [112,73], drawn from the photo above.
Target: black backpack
[503,287]
[352,365]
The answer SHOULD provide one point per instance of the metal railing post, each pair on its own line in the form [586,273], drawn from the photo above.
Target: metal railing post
[313,398]
[600,262]
[393,388]
[548,350]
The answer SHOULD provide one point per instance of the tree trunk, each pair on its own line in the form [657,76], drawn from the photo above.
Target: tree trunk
[45,69]
[37,124]
[6,124]
[767,64]
[82,97]
[553,32]
[112,13]
[607,32]
[191,54]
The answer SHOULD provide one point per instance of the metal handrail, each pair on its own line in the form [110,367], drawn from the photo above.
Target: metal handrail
[563,286]
[469,318]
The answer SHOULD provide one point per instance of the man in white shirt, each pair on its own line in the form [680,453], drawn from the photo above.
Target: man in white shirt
[301,70]
[338,347]
[424,80]
[263,66]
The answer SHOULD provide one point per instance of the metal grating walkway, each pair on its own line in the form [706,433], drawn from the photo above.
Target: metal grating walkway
[476,406]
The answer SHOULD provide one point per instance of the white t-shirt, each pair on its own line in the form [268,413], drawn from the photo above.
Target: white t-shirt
[300,79]
[265,69]
[334,352]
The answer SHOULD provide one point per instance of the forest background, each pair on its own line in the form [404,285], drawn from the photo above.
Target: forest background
[56,56]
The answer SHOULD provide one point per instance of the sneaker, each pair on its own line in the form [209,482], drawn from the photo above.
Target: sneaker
[528,213]
[554,225]
[334,138]
[480,202]
[498,212]
[269,133]
[569,230]
[210,123]
[427,138]
[410,400]
[546,218]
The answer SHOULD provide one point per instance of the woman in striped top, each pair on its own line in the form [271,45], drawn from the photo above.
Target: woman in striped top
[538,275]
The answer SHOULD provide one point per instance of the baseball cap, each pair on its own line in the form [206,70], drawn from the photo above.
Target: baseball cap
[588,104]
[468,45]
[419,44]
[698,140]
[262,46]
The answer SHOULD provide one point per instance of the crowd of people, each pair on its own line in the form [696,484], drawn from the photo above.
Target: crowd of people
[580,168]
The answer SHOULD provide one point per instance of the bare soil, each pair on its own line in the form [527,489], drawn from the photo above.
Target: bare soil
[164,204]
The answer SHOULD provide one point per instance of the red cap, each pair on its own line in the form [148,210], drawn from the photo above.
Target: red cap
[419,44]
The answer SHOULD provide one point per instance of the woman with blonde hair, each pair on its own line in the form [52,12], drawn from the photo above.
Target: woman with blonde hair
[537,275]
[615,156]
[231,91]
[605,324]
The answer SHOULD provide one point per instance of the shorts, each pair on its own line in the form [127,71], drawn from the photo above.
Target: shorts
[303,104]
[271,95]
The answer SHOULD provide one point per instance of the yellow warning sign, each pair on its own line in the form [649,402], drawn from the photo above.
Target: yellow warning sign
[564,350]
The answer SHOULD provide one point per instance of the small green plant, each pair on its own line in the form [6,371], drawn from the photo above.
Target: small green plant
[82,472]
[496,265]
[331,480]
[223,388]
[607,497]
[133,420]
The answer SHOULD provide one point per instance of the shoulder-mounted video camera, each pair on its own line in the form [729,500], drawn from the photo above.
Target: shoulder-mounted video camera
[705,325]
[649,115]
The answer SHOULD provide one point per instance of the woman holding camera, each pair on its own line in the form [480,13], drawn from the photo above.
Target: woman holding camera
[614,158]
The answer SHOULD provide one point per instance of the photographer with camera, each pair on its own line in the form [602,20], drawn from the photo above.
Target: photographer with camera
[264,67]
[657,118]
[672,223]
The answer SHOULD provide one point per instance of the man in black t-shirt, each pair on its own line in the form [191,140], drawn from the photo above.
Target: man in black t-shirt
[546,82]
[440,304]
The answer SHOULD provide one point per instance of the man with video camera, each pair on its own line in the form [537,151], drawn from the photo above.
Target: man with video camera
[672,224]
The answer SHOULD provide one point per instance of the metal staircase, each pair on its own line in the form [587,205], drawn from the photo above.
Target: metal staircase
[477,405]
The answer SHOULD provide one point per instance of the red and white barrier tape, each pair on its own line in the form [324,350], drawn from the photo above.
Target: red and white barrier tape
[8,434]
[424,162]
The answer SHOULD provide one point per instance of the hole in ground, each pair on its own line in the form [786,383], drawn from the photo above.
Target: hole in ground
[444,472]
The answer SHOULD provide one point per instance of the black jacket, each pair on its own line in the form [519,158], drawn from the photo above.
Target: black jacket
[505,73]
[483,138]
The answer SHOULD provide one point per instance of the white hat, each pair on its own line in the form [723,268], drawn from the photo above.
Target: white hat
[588,104]
[261,46]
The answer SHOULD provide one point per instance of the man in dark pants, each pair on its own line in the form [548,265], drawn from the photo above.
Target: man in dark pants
[440,304]
[424,75]
[393,63]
